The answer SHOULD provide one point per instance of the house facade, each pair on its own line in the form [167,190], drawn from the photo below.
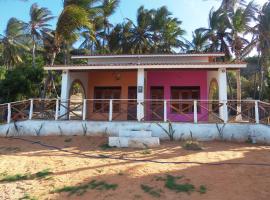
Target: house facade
[173,87]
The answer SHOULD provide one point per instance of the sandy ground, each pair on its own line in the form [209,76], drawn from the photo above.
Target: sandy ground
[222,182]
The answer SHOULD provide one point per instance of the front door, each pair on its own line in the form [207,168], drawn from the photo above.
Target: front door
[157,105]
[132,103]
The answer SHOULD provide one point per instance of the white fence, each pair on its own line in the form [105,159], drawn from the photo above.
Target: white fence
[149,110]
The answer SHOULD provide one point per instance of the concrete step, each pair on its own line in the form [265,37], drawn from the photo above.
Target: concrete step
[135,134]
[134,142]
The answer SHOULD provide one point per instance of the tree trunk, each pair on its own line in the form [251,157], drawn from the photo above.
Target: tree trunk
[49,78]
[239,91]
[34,53]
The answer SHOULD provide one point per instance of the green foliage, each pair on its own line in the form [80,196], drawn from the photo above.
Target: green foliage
[105,146]
[27,197]
[192,144]
[92,185]
[202,189]
[151,190]
[13,178]
[20,177]
[172,185]
[21,83]
[146,152]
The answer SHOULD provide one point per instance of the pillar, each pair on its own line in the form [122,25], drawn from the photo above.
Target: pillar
[140,94]
[65,87]
[222,84]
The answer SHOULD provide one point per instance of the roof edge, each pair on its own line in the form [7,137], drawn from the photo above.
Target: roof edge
[151,55]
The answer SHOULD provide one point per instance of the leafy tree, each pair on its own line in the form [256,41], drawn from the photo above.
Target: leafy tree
[21,83]
[14,43]
[38,24]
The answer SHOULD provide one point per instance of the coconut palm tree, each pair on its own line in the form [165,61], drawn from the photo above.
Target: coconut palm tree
[39,18]
[261,40]
[199,43]
[217,32]
[108,8]
[14,42]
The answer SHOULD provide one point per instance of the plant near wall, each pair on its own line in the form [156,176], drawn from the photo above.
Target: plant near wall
[84,127]
[170,131]
[192,144]
[221,131]
[38,130]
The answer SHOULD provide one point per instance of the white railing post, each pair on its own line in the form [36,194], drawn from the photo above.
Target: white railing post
[84,109]
[225,111]
[111,110]
[257,116]
[165,111]
[195,108]
[31,109]
[9,113]
[57,109]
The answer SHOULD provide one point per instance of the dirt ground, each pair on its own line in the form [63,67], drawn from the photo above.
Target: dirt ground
[222,182]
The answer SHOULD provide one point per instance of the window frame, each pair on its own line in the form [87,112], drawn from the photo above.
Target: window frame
[103,107]
[190,91]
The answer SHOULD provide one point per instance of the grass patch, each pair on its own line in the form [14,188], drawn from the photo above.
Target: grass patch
[10,149]
[68,140]
[171,184]
[192,145]
[150,190]
[44,173]
[27,197]
[92,185]
[105,147]
[22,177]
[146,152]
[202,189]
[16,177]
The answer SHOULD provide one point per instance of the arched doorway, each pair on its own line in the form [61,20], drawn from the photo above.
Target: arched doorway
[213,97]
[76,97]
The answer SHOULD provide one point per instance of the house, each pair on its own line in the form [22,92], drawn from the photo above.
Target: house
[168,87]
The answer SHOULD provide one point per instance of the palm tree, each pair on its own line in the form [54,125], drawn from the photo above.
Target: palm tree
[199,43]
[261,39]
[240,18]
[14,42]
[217,32]
[167,32]
[39,18]
[120,37]
[108,8]
[74,17]
[141,39]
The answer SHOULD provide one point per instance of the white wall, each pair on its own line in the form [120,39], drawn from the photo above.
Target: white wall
[203,132]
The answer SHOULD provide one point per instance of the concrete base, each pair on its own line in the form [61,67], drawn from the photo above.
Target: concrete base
[202,132]
[134,139]
[132,142]
[135,134]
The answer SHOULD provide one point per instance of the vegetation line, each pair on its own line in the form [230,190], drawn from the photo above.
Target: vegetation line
[138,160]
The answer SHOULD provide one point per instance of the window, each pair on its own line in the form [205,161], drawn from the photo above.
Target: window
[182,93]
[104,93]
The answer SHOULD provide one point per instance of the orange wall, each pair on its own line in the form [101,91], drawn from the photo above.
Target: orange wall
[122,79]
[111,79]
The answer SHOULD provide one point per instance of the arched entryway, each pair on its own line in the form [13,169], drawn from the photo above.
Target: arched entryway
[76,96]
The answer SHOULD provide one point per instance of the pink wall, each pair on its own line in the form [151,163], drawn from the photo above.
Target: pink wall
[167,79]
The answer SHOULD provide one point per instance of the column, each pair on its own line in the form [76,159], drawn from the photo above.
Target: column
[140,94]
[65,87]
[222,86]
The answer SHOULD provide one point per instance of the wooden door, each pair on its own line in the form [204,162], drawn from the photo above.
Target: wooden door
[157,105]
[132,103]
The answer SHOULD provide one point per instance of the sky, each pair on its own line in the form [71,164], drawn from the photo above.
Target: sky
[193,13]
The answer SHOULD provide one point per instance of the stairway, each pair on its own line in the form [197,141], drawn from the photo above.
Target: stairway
[134,139]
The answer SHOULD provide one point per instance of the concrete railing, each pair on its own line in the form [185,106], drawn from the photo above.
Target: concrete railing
[148,110]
